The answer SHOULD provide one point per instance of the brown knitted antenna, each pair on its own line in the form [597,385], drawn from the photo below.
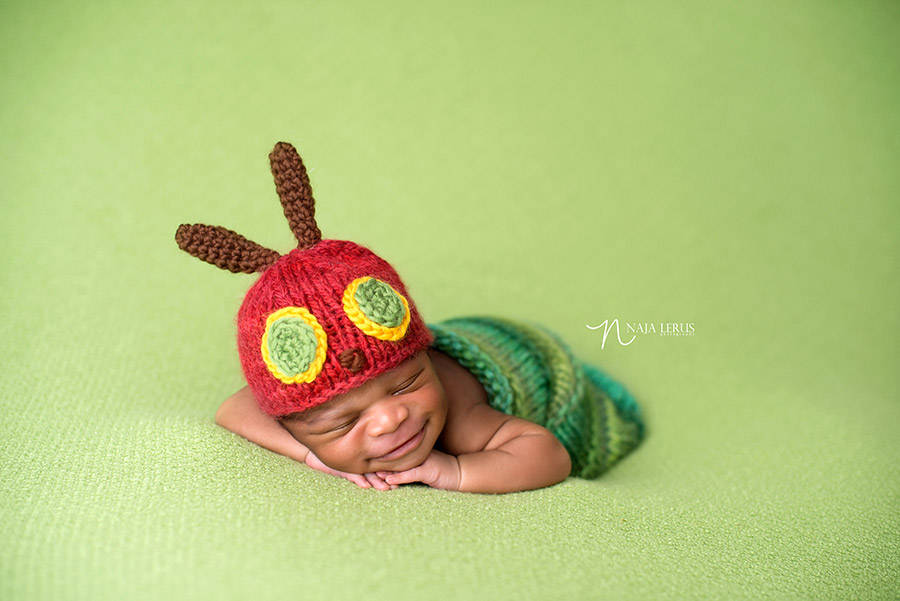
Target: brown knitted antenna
[224,248]
[295,193]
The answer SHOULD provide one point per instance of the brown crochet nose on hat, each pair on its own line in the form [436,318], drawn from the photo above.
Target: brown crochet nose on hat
[320,320]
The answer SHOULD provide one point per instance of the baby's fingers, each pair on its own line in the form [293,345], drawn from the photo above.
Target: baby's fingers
[358,479]
[378,482]
[406,477]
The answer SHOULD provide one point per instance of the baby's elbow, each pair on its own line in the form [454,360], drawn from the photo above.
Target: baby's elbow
[562,461]
[221,414]
[556,461]
[236,408]
[226,411]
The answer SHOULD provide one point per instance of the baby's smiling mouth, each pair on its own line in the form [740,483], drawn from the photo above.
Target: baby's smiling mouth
[405,447]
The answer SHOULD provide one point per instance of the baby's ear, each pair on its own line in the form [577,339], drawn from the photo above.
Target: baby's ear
[224,248]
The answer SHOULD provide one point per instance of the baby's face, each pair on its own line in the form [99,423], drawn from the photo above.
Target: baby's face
[389,423]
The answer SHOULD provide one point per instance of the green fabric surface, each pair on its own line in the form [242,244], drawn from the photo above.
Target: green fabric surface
[725,164]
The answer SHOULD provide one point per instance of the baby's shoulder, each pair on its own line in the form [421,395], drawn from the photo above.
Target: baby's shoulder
[471,422]
[461,387]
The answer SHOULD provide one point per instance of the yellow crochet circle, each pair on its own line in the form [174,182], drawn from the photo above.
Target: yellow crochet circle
[291,327]
[363,322]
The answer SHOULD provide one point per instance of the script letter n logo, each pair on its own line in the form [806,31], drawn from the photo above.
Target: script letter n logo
[607,326]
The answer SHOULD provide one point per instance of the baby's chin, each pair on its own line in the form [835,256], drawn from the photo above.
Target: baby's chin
[414,459]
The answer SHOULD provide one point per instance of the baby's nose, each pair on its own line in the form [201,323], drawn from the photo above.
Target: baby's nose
[387,417]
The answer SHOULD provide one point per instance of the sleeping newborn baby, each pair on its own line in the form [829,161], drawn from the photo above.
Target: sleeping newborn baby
[345,376]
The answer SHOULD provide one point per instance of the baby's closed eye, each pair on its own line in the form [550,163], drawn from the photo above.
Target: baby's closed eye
[344,424]
[407,384]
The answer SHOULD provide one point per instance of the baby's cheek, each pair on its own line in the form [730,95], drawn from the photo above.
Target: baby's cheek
[343,455]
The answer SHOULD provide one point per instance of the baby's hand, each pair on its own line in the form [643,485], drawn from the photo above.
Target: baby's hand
[438,471]
[361,480]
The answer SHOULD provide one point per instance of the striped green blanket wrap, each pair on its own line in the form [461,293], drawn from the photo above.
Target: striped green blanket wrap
[529,372]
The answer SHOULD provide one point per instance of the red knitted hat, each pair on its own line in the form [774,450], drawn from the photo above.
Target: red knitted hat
[320,320]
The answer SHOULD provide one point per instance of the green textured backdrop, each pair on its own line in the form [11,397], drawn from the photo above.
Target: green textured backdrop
[727,164]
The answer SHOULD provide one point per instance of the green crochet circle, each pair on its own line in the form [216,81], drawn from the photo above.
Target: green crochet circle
[380,303]
[292,345]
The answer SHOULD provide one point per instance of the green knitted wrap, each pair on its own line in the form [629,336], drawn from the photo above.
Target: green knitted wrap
[529,372]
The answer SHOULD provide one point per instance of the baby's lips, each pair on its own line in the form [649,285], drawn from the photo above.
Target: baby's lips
[389,455]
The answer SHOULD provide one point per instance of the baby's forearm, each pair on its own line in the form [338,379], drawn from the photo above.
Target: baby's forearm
[526,462]
[240,414]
